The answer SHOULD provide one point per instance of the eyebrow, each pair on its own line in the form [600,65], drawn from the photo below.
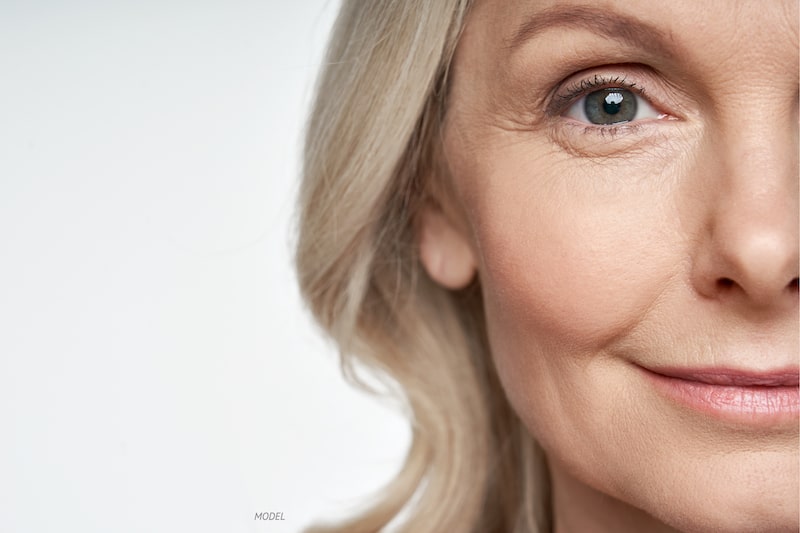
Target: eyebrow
[605,23]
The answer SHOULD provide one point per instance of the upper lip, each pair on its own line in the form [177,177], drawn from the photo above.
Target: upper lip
[788,377]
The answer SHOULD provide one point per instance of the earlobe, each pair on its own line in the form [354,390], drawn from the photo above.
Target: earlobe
[444,251]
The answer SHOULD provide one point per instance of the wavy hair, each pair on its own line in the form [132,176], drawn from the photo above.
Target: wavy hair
[372,158]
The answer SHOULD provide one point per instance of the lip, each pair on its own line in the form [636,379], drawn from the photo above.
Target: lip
[763,399]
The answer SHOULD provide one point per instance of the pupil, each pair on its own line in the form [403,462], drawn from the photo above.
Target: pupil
[612,103]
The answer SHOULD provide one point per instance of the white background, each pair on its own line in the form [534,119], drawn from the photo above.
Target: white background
[157,369]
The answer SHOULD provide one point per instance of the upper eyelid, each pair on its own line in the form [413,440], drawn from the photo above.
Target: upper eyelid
[598,82]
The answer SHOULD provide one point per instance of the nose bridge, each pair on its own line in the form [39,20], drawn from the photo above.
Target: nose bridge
[760,154]
[760,181]
[754,222]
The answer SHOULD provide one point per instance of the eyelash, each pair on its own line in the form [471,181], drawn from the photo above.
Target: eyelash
[588,85]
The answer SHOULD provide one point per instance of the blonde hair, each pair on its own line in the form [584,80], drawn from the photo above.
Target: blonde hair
[370,155]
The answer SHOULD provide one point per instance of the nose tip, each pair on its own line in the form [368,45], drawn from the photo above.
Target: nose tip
[758,267]
[750,254]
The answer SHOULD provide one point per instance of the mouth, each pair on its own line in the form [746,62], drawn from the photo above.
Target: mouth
[764,399]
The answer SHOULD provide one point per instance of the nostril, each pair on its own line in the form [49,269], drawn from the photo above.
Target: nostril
[725,283]
[793,284]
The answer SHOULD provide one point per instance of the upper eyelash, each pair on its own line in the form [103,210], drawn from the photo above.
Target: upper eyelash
[587,85]
[572,92]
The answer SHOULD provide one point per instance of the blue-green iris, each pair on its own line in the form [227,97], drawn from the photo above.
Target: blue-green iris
[610,106]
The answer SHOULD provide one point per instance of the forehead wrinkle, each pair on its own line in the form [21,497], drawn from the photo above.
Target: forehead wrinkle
[603,22]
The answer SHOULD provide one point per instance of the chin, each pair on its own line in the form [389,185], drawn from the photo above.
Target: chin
[744,500]
[779,520]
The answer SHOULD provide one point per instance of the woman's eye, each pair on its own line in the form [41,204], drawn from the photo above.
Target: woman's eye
[611,106]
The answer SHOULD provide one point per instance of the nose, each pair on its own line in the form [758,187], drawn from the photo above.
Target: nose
[748,254]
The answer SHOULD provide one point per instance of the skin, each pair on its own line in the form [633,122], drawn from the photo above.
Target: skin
[670,240]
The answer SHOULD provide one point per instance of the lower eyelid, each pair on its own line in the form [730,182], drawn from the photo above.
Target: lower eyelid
[619,140]
[581,139]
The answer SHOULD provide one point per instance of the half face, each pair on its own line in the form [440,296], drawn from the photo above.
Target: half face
[625,180]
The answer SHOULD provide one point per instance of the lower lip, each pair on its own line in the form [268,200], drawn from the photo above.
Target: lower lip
[752,405]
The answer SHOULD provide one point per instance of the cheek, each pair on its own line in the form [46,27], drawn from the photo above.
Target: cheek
[571,261]
[574,269]
[568,267]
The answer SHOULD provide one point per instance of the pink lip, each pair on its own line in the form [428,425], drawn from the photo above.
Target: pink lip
[755,398]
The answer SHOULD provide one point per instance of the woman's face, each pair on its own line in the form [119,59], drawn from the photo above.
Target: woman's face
[625,179]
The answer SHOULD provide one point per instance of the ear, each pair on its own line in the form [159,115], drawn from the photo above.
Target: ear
[445,251]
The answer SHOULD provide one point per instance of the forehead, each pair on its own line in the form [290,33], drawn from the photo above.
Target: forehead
[683,29]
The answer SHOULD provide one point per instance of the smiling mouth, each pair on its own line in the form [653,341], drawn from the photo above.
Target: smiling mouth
[765,399]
